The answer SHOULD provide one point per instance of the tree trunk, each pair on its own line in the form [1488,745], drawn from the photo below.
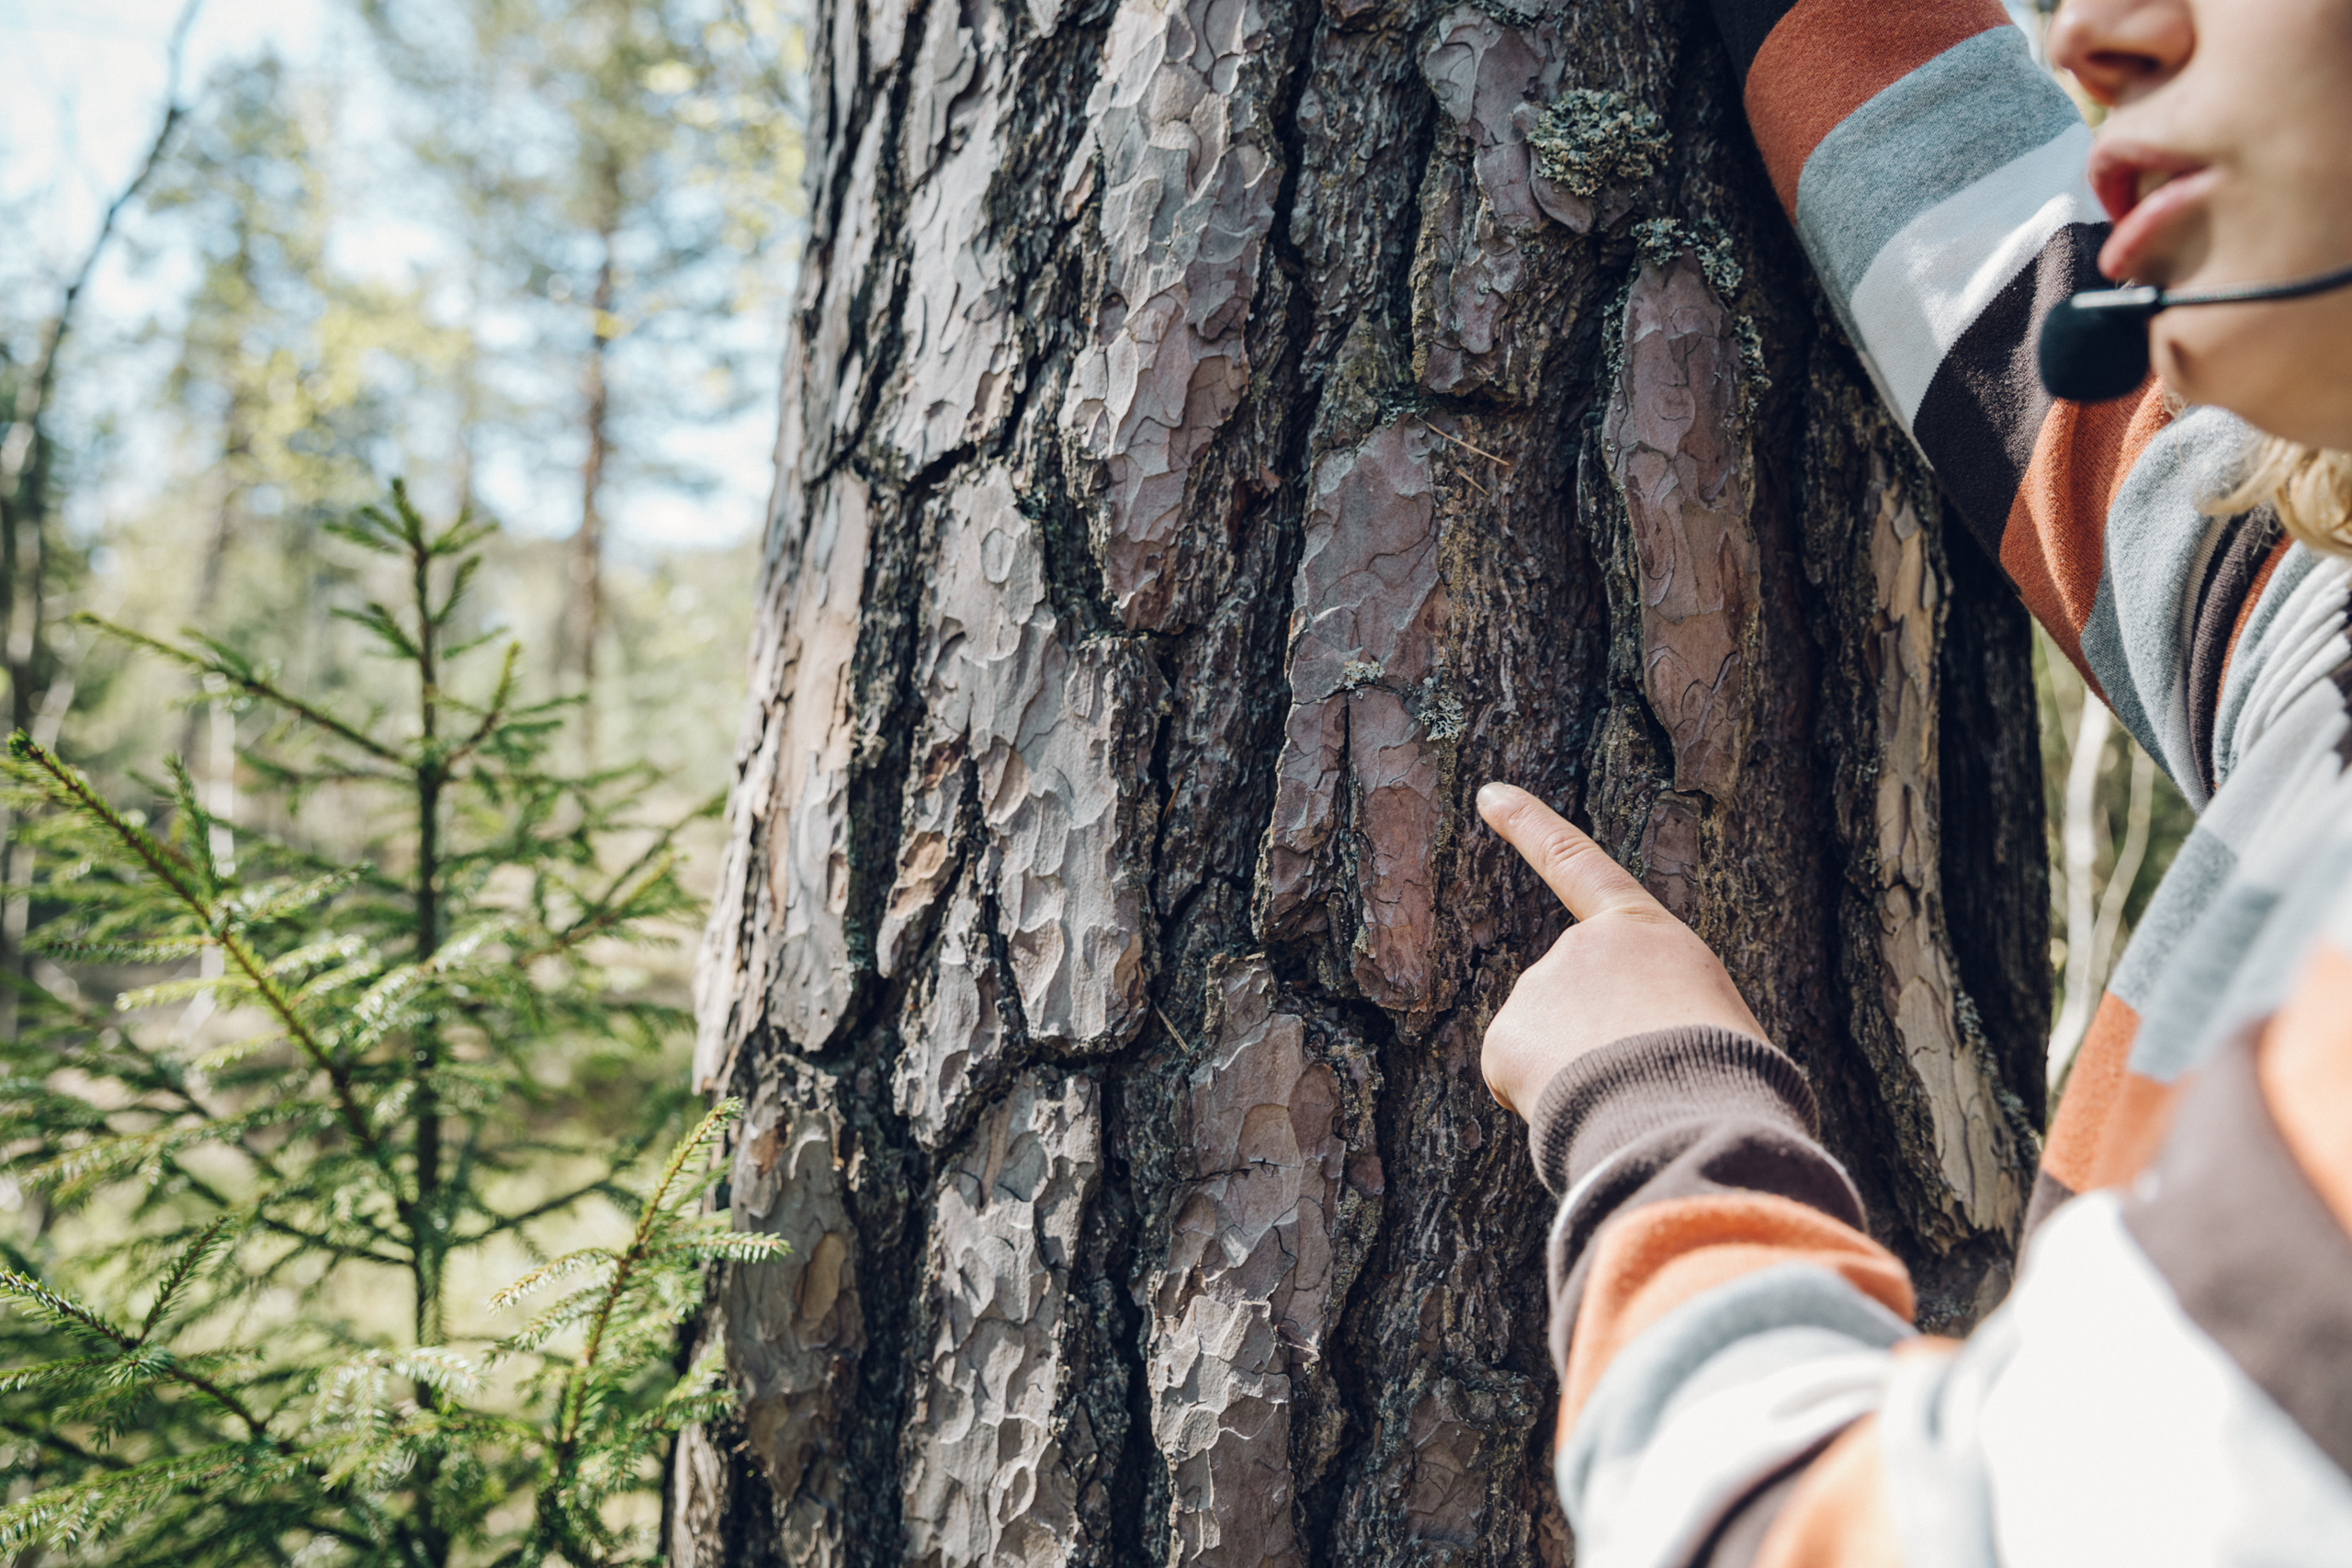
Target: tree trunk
[1214,445]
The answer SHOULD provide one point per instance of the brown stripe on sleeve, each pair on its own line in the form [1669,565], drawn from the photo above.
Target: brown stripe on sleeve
[1607,1100]
[2240,563]
[1668,1117]
[2240,1228]
[1836,1515]
[2252,596]
[1985,407]
[1745,25]
[2071,1152]
[1827,58]
[1649,1260]
[2056,533]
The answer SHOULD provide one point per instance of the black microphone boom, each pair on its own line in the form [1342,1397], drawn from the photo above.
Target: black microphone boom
[2095,345]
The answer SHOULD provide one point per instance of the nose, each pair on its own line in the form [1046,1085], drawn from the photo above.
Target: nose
[2120,49]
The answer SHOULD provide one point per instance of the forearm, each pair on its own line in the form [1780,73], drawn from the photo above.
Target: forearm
[1718,1314]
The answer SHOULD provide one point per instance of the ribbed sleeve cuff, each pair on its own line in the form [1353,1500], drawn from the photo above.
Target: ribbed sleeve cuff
[1607,1099]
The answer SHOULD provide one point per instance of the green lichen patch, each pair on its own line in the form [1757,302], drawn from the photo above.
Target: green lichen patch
[1658,241]
[1592,139]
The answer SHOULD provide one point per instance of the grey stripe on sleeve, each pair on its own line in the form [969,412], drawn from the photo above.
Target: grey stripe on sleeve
[1718,1397]
[2200,869]
[1948,124]
[2198,1006]
[1931,1450]
[2157,543]
[2177,1029]
[2251,663]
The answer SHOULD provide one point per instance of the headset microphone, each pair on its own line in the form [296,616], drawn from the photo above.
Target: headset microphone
[2095,345]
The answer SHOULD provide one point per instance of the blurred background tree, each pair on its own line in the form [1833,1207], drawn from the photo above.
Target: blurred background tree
[621,170]
[2115,822]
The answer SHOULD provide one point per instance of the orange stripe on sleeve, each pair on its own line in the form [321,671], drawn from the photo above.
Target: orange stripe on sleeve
[2071,1154]
[2054,540]
[2112,1120]
[2305,1067]
[1827,58]
[1650,1260]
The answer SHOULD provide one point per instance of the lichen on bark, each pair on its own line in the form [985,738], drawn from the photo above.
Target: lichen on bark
[1592,138]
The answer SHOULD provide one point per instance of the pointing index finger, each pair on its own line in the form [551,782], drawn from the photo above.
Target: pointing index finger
[1570,864]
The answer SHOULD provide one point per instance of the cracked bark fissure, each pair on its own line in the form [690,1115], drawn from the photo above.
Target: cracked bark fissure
[1211,448]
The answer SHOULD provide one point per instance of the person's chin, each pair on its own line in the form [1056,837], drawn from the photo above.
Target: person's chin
[2272,379]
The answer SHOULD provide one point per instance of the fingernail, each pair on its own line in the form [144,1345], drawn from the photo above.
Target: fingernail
[1493,796]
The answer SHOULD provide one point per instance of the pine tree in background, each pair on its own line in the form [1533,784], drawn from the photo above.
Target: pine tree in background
[242,1333]
[627,173]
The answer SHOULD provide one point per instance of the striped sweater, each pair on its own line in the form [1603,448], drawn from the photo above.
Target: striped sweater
[2171,1378]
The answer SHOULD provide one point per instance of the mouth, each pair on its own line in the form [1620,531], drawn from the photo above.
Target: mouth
[2145,190]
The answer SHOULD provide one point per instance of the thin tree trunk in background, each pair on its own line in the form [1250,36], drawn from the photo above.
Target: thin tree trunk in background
[234,472]
[1211,449]
[585,607]
[2077,839]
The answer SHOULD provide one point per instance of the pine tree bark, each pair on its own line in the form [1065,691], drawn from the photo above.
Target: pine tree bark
[1216,442]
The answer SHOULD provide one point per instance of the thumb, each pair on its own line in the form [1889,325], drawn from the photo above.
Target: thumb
[1570,864]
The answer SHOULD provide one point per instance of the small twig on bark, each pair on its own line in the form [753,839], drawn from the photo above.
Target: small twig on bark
[1449,436]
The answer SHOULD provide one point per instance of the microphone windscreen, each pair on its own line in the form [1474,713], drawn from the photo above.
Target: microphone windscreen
[2091,356]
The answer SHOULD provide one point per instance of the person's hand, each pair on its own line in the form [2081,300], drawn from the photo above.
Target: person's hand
[1626,967]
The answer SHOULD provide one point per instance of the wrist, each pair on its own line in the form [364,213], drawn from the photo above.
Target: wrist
[1608,1097]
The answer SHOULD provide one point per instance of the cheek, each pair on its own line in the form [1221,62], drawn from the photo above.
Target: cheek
[2239,359]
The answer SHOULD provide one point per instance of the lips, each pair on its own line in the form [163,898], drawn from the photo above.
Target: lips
[2146,190]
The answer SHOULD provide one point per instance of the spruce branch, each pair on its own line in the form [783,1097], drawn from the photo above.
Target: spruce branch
[560,1518]
[33,1297]
[246,679]
[171,869]
[176,1279]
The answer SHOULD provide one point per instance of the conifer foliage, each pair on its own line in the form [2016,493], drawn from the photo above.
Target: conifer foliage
[257,1356]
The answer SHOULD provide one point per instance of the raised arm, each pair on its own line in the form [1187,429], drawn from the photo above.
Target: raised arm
[1936,177]
[1740,1381]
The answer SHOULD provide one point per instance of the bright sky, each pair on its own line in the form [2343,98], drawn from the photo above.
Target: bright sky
[82,82]
[82,90]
